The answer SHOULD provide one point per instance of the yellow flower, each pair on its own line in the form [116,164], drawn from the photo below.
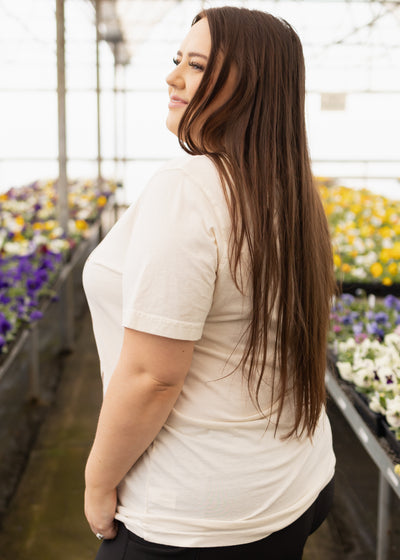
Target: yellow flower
[376,269]
[387,281]
[397,469]
[337,260]
[18,237]
[19,220]
[330,208]
[49,225]
[346,267]
[101,201]
[81,225]
[3,197]
[366,231]
[396,250]
[393,268]
[385,255]
[386,232]
[37,225]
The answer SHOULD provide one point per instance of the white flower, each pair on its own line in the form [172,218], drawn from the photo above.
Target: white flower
[383,361]
[45,213]
[40,239]
[367,259]
[368,346]
[20,248]
[376,221]
[393,339]
[393,411]
[362,363]
[58,245]
[345,370]
[363,377]
[371,301]
[359,245]
[375,405]
[349,344]
[387,243]
[386,376]
[359,273]
[57,232]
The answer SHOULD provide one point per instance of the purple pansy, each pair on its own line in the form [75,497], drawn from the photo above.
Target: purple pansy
[375,329]
[348,299]
[5,324]
[381,317]
[358,328]
[35,315]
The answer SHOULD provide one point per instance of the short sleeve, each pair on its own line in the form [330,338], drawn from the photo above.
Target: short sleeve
[171,261]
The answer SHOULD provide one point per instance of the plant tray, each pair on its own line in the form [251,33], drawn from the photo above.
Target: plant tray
[390,437]
[360,401]
[373,419]
[369,288]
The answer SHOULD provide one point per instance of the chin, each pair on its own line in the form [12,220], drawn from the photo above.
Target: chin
[172,123]
[173,129]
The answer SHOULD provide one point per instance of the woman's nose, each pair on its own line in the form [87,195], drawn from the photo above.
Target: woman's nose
[175,79]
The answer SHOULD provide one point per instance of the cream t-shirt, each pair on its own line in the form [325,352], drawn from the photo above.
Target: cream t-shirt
[215,475]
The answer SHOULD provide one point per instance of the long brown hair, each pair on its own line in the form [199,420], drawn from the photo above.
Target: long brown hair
[257,139]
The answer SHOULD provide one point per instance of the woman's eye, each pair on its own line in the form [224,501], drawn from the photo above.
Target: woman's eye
[175,61]
[196,66]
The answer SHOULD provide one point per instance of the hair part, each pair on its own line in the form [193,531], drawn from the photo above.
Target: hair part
[257,140]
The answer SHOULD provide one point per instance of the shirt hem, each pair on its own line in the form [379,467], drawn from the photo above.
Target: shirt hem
[162,326]
[215,537]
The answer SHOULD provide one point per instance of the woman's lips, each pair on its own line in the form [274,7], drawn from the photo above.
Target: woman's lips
[175,102]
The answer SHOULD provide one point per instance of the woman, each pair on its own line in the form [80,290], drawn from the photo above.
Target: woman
[210,303]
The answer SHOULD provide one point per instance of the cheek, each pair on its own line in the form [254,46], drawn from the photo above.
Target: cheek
[192,87]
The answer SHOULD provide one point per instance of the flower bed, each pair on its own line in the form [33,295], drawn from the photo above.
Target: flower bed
[365,230]
[365,341]
[33,246]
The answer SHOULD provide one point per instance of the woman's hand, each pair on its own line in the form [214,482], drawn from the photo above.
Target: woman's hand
[100,507]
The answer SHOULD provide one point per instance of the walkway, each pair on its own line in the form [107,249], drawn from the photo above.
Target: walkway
[45,519]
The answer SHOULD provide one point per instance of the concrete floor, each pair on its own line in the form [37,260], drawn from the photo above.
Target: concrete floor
[45,519]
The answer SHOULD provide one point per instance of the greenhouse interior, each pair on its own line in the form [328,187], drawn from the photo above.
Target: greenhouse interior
[83,105]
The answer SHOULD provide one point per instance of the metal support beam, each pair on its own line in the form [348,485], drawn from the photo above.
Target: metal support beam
[98,91]
[124,132]
[62,183]
[115,99]
[67,310]
[384,519]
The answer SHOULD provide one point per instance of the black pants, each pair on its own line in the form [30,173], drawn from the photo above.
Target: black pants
[286,544]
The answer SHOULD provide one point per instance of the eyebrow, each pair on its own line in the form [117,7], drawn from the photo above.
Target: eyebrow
[194,54]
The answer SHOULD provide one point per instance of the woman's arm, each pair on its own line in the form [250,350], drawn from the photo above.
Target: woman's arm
[142,392]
